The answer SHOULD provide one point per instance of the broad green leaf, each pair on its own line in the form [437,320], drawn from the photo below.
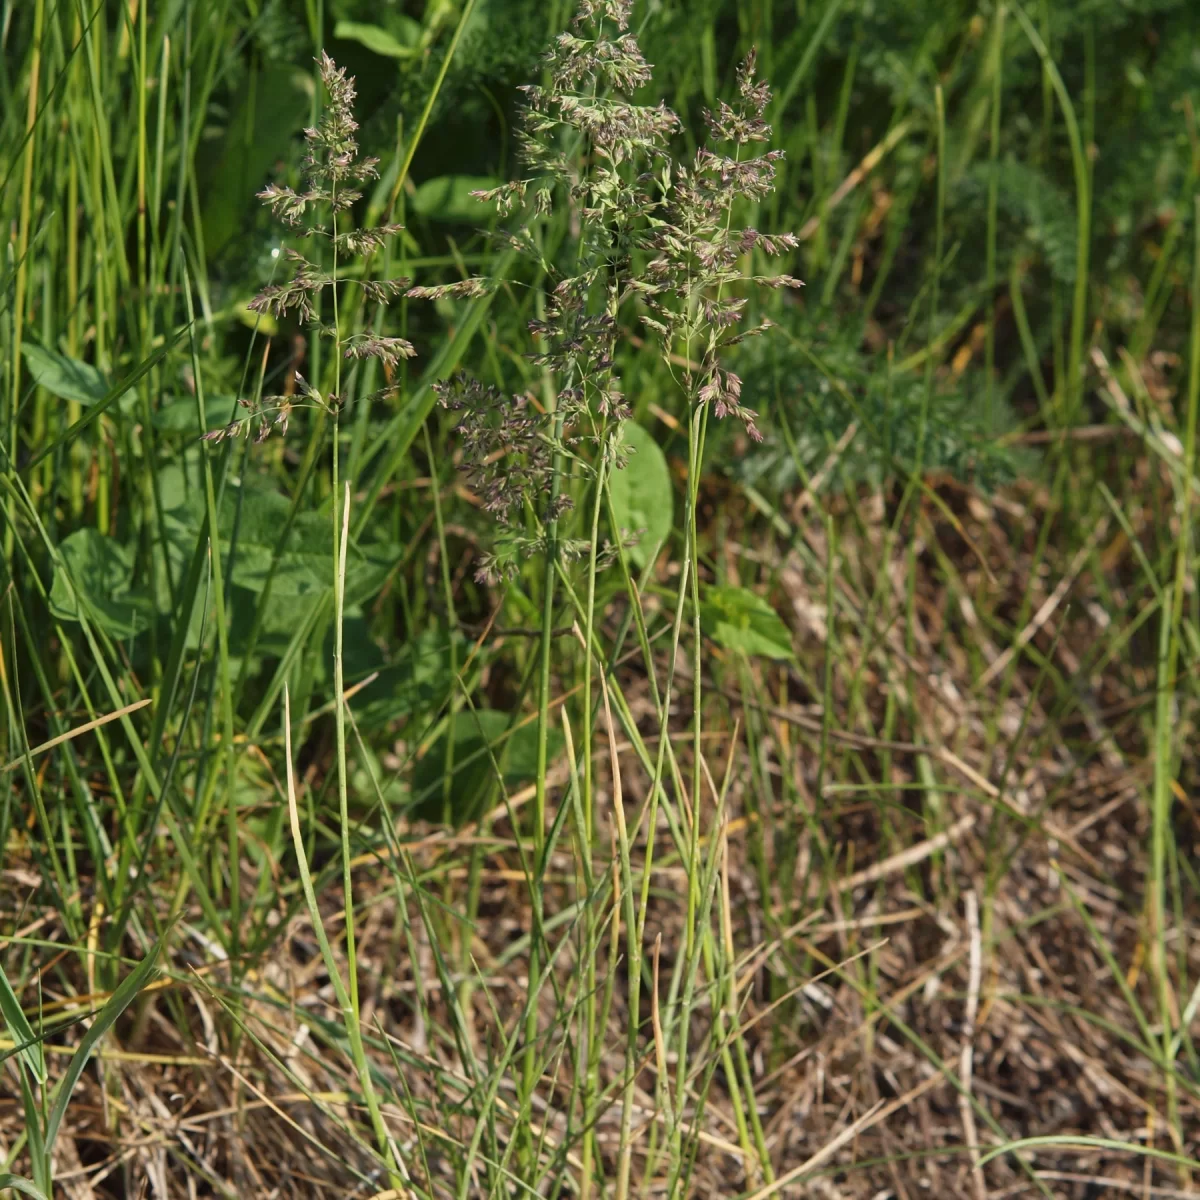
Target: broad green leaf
[265,324]
[466,795]
[267,110]
[379,40]
[115,395]
[305,567]
[179,416]
[101,1024]
[472,785]
[101,570]
[448,198]
[20,1030]
[642,496]
[740,620]
[413,680]
[68,378]
[283,616]
[520,763]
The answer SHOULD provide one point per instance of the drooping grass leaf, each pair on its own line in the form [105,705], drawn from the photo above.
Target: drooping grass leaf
[17,1184]
[103,1022]
[404,43]
[448,198]
[20,1030]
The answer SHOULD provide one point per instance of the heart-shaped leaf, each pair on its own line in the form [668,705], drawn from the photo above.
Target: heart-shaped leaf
[453,782]
[305,567]
[264,113]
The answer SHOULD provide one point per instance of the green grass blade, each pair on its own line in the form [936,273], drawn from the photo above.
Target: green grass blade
[27,1042]
[101,406]
[116,1004]
[16,1183]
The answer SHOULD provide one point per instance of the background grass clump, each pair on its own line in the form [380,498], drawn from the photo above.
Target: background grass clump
[599,599]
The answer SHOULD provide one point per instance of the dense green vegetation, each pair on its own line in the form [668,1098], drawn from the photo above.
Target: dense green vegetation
[752,725]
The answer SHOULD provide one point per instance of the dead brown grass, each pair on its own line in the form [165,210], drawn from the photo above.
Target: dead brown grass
[917,981]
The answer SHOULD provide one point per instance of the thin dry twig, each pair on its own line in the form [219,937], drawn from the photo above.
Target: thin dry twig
[1046,611]
[869,162]
[967,1058]
[910,856]
[86,727]
[873,1116]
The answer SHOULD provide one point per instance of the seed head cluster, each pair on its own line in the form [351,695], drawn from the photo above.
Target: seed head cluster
[332,173]
[653,245]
